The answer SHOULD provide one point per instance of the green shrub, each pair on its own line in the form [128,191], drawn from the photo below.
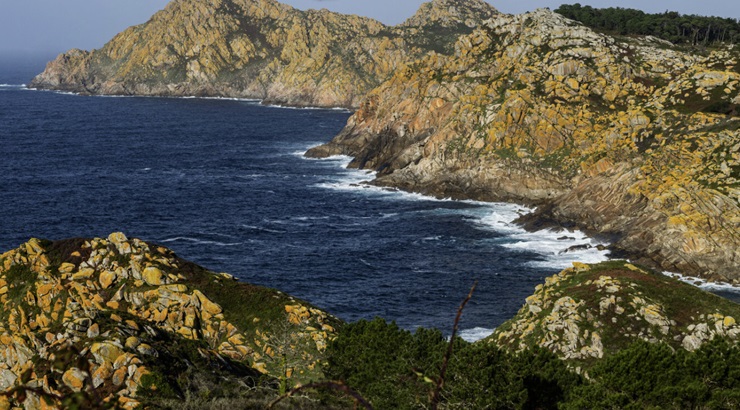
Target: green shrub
[649,375]
[395,369]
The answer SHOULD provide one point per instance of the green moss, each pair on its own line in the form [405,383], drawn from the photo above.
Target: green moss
[21,280]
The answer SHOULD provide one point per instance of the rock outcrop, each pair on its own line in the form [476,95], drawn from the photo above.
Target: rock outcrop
[260,49]
[590,311]
[628,138]
[119,320]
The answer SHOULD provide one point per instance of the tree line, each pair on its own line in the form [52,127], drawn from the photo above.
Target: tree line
[670,25]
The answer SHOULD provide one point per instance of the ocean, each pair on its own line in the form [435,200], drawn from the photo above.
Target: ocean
[224,184]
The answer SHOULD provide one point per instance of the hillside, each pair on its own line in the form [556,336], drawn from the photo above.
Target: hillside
[125,322]
[631,139]
[589,312]
[119,323]
[260,49]
[670,26]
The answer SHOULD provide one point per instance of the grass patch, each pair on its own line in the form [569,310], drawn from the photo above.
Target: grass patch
[21,280]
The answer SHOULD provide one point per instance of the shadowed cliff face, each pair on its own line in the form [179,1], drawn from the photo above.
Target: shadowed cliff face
[630,138]
[260,49]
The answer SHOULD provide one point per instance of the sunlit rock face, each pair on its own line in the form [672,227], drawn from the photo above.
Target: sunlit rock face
[628,138]
[118,318]
[260,49]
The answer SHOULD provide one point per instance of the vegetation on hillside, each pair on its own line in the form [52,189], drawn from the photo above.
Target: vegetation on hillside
[670,25]
[395,369]
[119,323]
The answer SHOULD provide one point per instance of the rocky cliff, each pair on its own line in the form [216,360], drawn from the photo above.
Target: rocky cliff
[630,138]
[589,312]
[260,49]
[120,321]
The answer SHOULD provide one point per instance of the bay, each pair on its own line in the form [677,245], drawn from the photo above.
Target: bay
[224,184]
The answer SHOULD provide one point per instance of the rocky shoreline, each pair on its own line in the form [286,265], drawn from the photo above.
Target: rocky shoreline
[554,210]
[627,138]
[538,110]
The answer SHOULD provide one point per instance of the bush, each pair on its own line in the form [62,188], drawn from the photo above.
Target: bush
[394,369]
[648,375]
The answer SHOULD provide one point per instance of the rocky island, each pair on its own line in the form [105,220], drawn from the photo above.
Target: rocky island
[261,49]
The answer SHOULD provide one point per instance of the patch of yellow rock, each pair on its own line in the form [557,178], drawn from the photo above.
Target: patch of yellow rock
[82,306]
[573,326]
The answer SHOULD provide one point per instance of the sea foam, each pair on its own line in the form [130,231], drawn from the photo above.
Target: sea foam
[475,334]
[704,284]
[199,241]
[558,249]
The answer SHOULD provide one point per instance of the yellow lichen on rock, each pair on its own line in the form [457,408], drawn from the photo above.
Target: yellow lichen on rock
[260,49]
[111,310]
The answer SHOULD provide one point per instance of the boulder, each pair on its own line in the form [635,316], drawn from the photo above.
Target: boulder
[153,276]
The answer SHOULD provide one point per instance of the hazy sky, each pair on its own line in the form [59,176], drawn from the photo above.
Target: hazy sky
[53,26]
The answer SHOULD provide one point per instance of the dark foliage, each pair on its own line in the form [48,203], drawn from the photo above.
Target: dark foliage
[671,26]
[653,376]
[395,369]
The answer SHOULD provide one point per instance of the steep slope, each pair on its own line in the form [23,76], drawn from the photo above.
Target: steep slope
[589,312]
[259,49]
[121,321]
[627,138]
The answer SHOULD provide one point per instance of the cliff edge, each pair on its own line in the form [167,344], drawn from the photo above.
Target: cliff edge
[628,138]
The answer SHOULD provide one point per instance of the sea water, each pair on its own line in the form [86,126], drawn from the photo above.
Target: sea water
[224,184]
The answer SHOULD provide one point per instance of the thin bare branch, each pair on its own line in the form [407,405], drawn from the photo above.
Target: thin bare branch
[445,361]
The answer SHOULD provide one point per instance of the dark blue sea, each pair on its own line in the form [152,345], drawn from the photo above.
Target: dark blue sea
[224,184]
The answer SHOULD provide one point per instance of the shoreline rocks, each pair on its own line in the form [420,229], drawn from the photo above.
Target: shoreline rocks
[539,110]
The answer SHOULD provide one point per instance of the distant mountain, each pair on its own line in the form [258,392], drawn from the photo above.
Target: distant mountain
[261,49]
[633,139]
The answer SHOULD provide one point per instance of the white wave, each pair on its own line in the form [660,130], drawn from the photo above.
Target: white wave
[12,85]
[199,241]
[475,334]
[309,218]
[704,284]
[559,249]
[262,229]
[288,107]
[52,91]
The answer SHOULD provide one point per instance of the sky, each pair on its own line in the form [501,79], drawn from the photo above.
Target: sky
[54,26]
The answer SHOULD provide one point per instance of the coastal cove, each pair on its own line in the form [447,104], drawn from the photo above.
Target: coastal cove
[243,204]
[224,184]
